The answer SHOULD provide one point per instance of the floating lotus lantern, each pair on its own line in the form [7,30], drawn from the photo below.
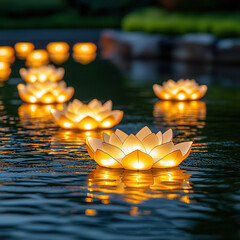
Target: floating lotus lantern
[5,71]
[93,115]
[7,54]
[47,92]
[182,90]
[58,51]
[23,49]
[142,151]
[139,186]
[84,52]
[42,74]
[37,58]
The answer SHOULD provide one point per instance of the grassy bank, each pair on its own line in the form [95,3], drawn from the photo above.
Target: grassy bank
[156,20]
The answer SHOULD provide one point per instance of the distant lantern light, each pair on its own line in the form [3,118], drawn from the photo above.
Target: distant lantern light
[93,115]
[47,92]
[42,74]
[23,49]
[37,58]
[58,52]
[7,54]
[5,71]
[142,151]
[182,90]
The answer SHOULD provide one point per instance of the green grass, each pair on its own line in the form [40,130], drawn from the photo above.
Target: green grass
[67,19]
[156,20]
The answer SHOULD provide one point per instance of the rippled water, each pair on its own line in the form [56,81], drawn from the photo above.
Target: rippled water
[51,189]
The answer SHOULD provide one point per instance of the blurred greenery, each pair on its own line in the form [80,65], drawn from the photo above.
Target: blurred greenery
[66,19]
[157,20]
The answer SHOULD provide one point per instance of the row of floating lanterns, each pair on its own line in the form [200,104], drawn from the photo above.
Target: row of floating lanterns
[143,151]
[57,52]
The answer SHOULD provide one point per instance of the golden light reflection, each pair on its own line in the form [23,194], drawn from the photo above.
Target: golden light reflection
[35,111]
[93,115]
[37,58]
[142,151]
[5,71]
[84,53]
[182,90]
[64,136]
[139,186]
[42,74]
[7,54]
[23,49]
[58,52]
[45,92]
[190,113]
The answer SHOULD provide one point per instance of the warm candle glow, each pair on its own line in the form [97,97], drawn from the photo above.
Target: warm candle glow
[37,58]
[57,47]
[5,71]
[142,151]
[58,52]
[84,48]
[84,52]
[139,186]
[47,92]
[7,54]
[89,116]
[42,74]
[180,91]
[23,49]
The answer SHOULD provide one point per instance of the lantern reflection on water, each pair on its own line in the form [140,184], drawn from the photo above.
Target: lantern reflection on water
[89,116]
[23,49]
[47,92]
[180,91]
[37,58]
[42,74]
[58,52]
[190,113]
[7,54]
[142,151]
[139,186]
[5,71]
[84,53]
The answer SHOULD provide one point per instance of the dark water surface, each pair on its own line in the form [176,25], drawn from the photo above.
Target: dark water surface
[51,189]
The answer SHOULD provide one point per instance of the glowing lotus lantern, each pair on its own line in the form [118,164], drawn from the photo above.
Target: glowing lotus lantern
[84,52]
[181,90]
[47,92]
[142,151]
[58,51]
[23,49]
[5,71]
[37,58]
[93,115]
[42,74]
[7,54]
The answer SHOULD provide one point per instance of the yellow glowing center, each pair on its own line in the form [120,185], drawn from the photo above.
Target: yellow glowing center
[84,48]
[37,55]
[67,124]
[33,78]
[61,98]
[42,77]
[108,162]
[58,48]
[106,124]
[168,163]
[3,52]
[48,99]
[32,99]
[88,126]
[166,95]
[194,96]
[24,47]
[181,96]
[138,165]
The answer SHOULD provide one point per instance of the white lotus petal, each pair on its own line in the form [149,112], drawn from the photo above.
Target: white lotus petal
[143,133]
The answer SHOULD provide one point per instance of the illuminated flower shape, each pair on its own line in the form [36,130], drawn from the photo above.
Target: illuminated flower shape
[5,71]
[37,58]
[42,74]
[183,89]
[47,92]
[23,49]
[89,116]
[142,151]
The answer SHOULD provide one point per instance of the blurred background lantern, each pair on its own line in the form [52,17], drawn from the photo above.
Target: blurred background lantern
[22,49]
[37,58]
